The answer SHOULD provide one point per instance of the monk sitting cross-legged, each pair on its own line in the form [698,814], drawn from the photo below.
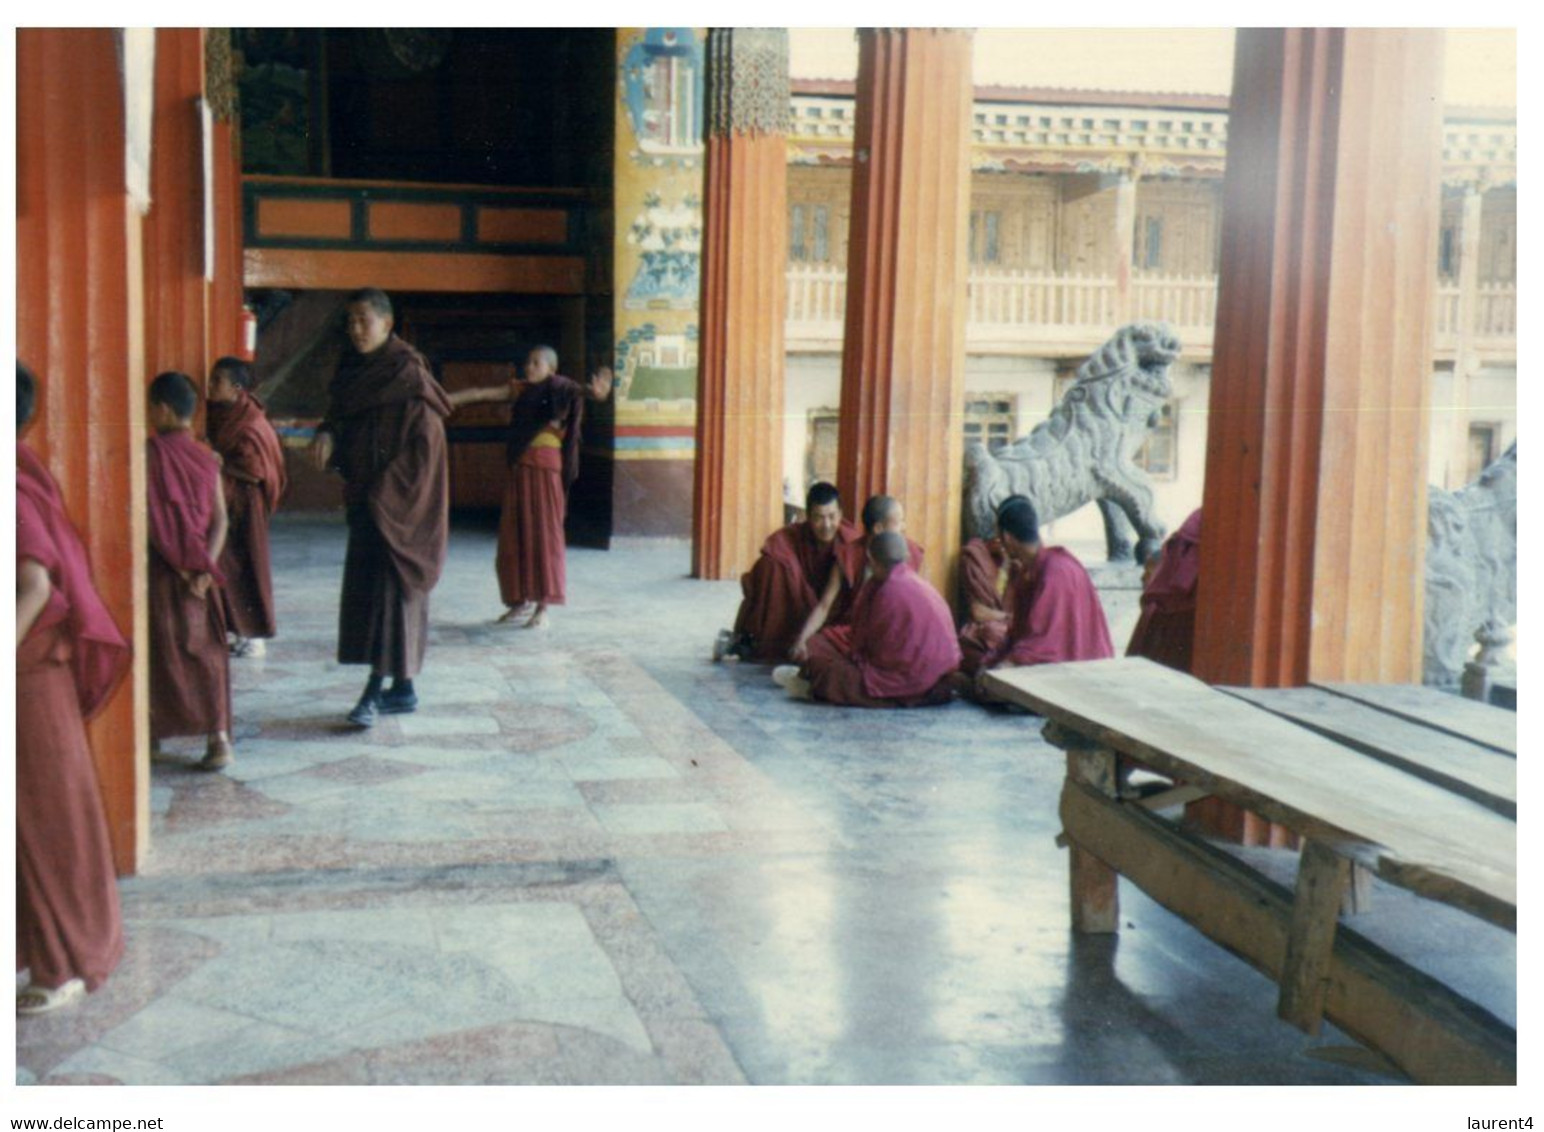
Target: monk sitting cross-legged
[1055,611]
[986,572]
[832,615]
[901,650]
[190,688]
[784,586]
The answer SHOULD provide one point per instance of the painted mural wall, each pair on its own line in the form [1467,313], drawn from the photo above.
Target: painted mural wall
[658,203]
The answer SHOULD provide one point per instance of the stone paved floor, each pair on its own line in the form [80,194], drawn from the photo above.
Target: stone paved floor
[594,857]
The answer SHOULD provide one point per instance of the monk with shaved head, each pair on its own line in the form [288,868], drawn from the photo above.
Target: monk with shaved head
[901,650]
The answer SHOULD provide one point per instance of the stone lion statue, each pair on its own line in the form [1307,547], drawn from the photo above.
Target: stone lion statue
[1083,452]
[1471,567]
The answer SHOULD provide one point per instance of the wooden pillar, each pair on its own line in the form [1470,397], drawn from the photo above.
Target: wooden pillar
[903,352]
[1466,362]
[738,475]
[225,291]
[78,326]
[175,291]
[1315,496]
[1125,241]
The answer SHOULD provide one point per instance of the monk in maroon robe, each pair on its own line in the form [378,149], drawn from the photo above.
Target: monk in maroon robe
[784,586]
[543,454]
[252,474]
[832,615]
[70,656]
[1055,615]
[900,650]
[1167,628]
[385,433]
[190,688]
[984,576]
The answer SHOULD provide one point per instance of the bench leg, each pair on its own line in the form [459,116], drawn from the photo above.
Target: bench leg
[1321,882]
[1095,893]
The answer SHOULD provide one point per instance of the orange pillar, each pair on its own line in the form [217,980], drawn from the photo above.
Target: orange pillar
[175,290]
[903,354]
[78,325]
[738,476]
[225,291]
[1315,497]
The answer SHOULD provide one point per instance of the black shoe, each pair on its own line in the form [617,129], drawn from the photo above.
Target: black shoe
[364,711]
[395,703]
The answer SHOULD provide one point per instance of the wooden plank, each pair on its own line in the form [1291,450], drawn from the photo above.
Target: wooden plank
[1480,723]
[1432,1034]
[1455,764]
[1321,878]
[1419,836]
[1093,887]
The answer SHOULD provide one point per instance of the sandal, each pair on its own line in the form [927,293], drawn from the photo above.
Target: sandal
[34,999]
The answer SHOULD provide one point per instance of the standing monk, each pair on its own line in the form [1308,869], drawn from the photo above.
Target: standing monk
[833,613]
[543,455]
[190,680]
[385,433]
[69,657]
[1166,630]
[1055,611]
[784,586]
[252,473]
[901,651]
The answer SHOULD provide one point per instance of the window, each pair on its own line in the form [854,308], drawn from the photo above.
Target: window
[991,418]
[1159,453]
[1152,243]
[820,447]
[1447,254]
[796,250]
[985,237]
[1482,449]
[822,242]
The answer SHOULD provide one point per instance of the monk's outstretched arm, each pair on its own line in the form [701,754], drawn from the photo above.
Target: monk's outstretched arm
[505,392]
[818,615]
[33,588]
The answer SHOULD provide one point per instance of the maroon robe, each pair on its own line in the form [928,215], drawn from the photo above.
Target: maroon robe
[902,648]
[783,587]
[1167,628]
[852,560]
[190,691]
[253,477]
[68,922]
[387,415]
[983,565]
[530,561]
[1056,615]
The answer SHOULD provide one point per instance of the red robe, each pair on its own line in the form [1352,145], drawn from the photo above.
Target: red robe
[1167,628]
[253,478]
[1056,615]
[530,561]
[984,567]
[68,923]
[783,588]
[387,413]
[190,692]
[902,648]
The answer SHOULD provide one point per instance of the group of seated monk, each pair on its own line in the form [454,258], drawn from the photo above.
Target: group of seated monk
[852,620]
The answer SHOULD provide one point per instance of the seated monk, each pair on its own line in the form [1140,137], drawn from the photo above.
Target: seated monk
[985,574]
[833,613]
[1166,630]
[784,586]
[1055,611]
[901,649]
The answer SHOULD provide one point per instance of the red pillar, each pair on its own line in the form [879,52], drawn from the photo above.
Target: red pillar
[738,475]
[1315,497]
[903,354]
[225,331]
[175,290]
[78,326]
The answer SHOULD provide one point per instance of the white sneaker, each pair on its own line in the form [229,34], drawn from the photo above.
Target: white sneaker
[784,673]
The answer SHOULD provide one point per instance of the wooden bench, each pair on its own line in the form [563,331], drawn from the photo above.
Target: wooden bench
[1419,791]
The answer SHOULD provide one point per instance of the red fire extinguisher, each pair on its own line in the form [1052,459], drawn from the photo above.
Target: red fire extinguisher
[248,333]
